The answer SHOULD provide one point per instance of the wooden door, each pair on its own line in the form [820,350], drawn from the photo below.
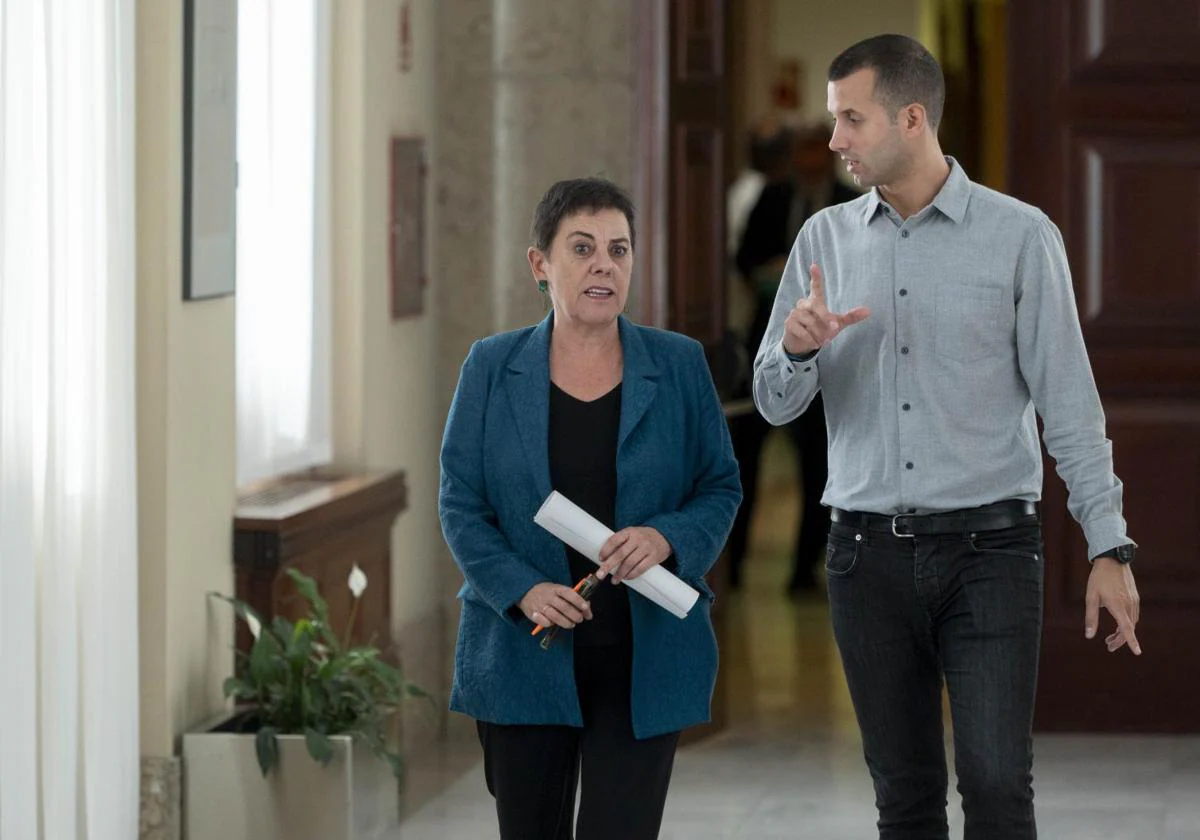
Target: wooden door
[680,192]
[682,117]
[1105,137]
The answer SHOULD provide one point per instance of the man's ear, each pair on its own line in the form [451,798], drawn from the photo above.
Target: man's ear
[913,118]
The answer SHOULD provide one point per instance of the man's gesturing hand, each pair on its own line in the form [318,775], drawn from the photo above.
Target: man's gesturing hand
[810,326]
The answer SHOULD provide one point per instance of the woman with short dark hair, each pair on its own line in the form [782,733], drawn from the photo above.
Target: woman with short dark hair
[624,421]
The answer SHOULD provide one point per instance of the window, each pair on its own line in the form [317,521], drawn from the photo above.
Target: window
[283,237]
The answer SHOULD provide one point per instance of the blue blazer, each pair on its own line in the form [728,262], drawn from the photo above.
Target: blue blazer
[675,473]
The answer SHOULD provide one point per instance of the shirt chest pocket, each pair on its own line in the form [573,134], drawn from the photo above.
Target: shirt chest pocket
[971,322]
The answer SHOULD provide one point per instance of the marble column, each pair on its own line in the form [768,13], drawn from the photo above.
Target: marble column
[529,92]
[462,163]
[564,109]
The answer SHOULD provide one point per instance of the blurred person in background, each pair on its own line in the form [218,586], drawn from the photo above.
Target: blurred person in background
[804,184]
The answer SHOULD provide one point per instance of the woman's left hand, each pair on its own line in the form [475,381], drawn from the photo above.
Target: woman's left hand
[630,552]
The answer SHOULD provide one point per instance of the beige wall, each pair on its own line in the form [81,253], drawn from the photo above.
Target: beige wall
[384,370]
[750,70]
[815,31]
[185,421]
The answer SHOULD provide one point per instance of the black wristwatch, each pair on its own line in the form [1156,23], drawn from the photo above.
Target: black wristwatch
[1123,554]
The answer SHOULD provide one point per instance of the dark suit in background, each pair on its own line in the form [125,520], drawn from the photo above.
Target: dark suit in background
[782,208]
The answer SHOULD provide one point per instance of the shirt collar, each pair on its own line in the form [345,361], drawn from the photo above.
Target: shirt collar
[951,199]
[874,202]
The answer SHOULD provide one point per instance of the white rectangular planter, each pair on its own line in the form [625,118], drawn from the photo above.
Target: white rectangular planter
[225,797]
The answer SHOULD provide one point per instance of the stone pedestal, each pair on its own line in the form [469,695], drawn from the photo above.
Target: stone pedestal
[160,817]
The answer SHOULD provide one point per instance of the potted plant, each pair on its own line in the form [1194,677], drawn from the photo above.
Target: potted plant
[311,748]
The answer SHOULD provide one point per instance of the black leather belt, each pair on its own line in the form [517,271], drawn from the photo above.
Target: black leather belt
[991,517]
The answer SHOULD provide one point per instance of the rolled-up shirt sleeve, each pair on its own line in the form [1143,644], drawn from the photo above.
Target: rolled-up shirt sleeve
[1054,364]
[784,387]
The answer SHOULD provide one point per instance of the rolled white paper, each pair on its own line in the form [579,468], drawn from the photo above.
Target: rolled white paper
[587,535]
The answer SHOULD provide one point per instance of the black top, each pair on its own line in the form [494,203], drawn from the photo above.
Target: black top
[775,221]
[583,467]
[771,230]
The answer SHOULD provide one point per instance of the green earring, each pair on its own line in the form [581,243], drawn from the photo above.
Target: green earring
[542,286]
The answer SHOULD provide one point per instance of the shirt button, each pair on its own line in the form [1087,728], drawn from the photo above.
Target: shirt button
[779,394]
[790,369]
[807,369]
[903,292]
[909,465]
[904,233]
[906,406]
[904,350]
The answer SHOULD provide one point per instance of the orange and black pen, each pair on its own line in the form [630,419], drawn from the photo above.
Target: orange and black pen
[585,588]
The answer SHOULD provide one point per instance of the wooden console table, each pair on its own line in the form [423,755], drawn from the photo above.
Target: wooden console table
[320,524]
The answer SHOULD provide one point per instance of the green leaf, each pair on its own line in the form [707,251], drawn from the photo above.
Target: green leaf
[304,682]
[263,660]
[243,610]
[397,763]
[280,630]
[267,748]
[318,745]
[237,688]
[307,587]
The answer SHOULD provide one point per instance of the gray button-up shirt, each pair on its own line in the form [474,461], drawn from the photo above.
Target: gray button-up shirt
[930,402]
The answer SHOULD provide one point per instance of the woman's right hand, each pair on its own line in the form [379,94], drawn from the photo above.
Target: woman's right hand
[554,604]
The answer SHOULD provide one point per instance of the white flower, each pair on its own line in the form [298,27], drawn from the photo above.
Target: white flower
[252,622]
[357,581]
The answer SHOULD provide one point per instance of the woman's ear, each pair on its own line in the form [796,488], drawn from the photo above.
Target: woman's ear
[537,264]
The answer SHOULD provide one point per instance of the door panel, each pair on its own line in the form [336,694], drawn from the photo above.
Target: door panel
[681,166]
[1105,137]
[697,233]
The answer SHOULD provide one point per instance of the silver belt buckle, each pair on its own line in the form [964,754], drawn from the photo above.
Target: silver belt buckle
[896,533]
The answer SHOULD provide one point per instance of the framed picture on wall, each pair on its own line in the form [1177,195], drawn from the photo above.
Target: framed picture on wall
[407,266]
[787,87]
[209,148]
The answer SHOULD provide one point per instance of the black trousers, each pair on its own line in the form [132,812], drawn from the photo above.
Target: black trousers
[811,440]
[533,771]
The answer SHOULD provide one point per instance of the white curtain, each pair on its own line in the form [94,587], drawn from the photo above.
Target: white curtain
[68,537]
[283,321]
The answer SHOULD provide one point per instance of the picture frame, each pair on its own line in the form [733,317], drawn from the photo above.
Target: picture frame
[209,148]
[406,226]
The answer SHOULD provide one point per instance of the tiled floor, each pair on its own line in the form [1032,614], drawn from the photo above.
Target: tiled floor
[790,765]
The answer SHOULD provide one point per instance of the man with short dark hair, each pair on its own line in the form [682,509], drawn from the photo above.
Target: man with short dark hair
[959,323]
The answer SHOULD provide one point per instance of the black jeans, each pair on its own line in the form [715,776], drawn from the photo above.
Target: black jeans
[533,771]
[908,612]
